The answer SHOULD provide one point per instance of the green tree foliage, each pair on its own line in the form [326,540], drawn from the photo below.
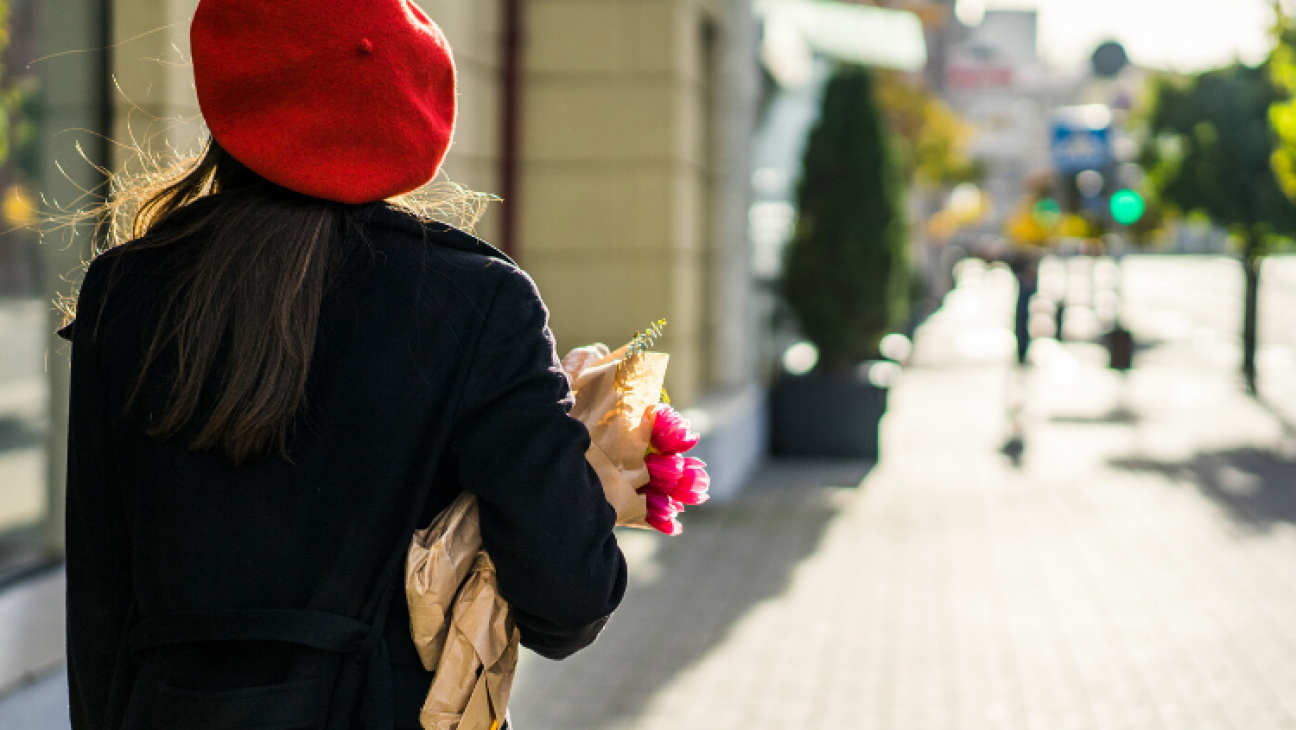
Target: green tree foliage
[1211,151]
[846,273]
[17,109]
[931,137]
[1282,113]
[6,103]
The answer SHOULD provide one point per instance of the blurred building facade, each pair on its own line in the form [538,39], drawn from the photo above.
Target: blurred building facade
[627,170]
[994,78]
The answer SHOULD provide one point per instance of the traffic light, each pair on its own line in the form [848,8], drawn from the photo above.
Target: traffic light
[1127,207]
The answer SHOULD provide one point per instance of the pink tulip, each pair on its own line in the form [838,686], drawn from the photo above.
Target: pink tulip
[691,489]
[664,471]
[670,433]
[662,511]
[667,527]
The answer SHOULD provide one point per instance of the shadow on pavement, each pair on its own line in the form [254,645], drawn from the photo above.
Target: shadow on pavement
[17,433]
[687,593]
[1257,489]
[1118,416]
[22,555]
[802,473]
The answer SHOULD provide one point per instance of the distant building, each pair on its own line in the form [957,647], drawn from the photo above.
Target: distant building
[994,78]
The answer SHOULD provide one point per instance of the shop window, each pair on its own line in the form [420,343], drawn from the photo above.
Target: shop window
[24,309]
[53,87]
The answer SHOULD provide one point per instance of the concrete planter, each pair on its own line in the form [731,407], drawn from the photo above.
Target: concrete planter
[826,415]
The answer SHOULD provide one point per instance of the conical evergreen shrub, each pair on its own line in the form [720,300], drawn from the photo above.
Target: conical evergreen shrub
[846,272]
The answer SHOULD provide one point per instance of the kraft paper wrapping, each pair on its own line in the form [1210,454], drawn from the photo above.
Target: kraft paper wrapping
[461,625]
[612,395]
[437,563]
[475,675]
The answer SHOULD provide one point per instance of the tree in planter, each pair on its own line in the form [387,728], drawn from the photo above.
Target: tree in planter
[1211,151]
[846,273]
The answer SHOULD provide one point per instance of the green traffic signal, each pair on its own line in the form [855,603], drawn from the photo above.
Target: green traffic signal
[1047,212]
[1127,207]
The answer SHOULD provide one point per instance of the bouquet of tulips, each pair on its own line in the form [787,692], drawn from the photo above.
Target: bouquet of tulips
[674,480]
[637,440]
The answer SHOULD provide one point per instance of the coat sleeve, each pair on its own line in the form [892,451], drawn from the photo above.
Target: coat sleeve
[544,520]
[99,592]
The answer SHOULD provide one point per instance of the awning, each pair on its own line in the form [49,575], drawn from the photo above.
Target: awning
[855,33]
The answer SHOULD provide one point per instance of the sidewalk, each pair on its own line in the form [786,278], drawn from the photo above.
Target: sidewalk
[33,685]
[1136,572]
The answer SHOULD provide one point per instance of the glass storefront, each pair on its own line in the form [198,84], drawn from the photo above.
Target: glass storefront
[24,309]
[53,92]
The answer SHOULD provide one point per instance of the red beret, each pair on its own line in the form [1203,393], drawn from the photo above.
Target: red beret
[347,100]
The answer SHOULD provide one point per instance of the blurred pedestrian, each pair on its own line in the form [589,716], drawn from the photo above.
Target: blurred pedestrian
[1024,262]
[284,373]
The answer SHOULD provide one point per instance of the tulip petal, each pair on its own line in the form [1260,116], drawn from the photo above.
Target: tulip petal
[691,498]
[670,433]
[691,489]
[670,527]
[664,470]
[660,506]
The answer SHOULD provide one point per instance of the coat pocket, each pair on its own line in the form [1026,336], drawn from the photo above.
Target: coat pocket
[291,706]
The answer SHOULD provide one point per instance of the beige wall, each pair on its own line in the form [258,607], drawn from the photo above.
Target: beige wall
[616,201]
[473,29]
[154,104]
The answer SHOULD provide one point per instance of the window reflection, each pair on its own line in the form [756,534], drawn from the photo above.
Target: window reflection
[24,410]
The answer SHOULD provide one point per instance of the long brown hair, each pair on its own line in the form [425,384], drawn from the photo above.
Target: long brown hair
[241,308]
[248,289]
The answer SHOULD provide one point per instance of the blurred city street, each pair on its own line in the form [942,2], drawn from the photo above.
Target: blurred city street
[982,317]
[1134,572]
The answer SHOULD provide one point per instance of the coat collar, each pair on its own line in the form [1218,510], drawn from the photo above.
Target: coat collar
[386,215]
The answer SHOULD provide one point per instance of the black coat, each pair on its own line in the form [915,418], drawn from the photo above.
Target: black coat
[201,595]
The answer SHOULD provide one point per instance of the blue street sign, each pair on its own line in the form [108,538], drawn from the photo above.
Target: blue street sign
[1081,139]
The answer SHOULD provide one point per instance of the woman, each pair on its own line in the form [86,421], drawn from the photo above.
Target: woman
[284,374]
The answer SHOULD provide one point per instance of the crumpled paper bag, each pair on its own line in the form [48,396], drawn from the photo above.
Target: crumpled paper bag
[461,625]
[439,559]
[475,675]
